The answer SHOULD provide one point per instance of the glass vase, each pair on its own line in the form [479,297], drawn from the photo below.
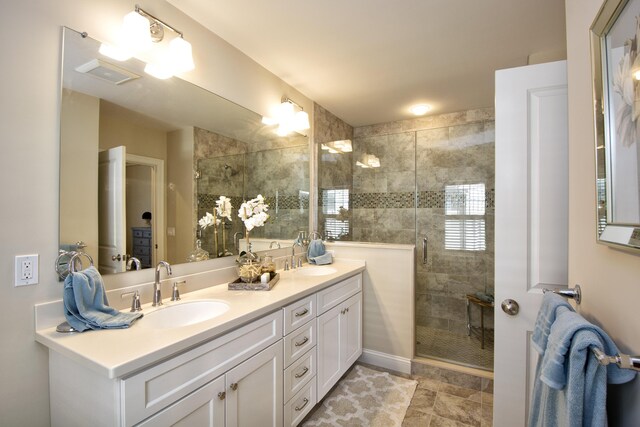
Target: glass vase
[249,266]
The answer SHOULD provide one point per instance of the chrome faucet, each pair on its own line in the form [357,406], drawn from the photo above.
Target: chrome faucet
[236,240]
[157,296]
[133,262]
[293,253]
[274,243]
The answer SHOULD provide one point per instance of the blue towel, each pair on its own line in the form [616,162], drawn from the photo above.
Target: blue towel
[571,386]
[321,260]
[86,305]
[316,248]
[552,305]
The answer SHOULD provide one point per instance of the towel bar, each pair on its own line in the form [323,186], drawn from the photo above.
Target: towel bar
[624,361]
[575,293]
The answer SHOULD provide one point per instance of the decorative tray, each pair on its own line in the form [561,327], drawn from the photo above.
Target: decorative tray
[239,285]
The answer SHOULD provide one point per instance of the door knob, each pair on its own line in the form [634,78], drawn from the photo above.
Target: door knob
[510,307]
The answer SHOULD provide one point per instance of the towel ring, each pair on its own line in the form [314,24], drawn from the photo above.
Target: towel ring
[76,257]
[62,264]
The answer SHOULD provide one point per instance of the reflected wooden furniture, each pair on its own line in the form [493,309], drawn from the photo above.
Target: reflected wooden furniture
[472,299]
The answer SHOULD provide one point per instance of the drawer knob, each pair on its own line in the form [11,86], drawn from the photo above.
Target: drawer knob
[303,373]
[303,342]
[233,386]
[222,395]
[300,408]
[302,313]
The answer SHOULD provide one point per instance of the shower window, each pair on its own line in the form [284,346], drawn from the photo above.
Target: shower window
[335,207]
[465,222]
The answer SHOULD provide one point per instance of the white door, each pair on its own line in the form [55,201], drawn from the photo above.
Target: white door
[112,234]
[531,220]
[255,390]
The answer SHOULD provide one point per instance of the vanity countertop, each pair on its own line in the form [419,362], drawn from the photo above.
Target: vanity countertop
[118,353]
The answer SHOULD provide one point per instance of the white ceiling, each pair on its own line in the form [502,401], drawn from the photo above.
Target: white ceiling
[367,61]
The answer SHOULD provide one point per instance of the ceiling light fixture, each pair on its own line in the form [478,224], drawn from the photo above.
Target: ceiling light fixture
[289,116]
[338,147]
[421,109]
[139,31]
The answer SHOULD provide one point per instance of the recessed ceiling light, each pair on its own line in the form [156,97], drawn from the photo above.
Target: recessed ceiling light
[420,109]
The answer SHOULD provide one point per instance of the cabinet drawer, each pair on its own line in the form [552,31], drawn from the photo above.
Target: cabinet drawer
[299,313]
[140,241]
[137,233]
[141,250]
[300,405]
[151,390]
[330,297]
[299,342]
[299,374]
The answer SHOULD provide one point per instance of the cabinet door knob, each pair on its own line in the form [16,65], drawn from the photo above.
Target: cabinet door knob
[116,257]
[233,386]
[222,395]
[303,342]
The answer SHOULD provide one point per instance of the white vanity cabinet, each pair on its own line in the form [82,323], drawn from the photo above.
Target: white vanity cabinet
[339,327]
[232,380]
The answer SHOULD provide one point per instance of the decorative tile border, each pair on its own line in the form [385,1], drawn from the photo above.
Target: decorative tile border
[285,201]
[403,200]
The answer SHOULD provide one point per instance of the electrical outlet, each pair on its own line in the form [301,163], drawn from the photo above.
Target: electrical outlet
[26,270]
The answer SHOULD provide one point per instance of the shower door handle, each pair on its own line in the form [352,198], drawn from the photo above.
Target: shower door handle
[424,251]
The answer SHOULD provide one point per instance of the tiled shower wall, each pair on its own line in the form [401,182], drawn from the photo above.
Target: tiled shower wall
[277,168]
[403,200]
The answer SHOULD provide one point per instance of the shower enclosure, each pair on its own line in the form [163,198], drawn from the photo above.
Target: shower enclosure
[427,182]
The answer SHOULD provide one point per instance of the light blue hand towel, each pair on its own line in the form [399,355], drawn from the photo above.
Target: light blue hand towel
[552,305]
[316,248]
[86,305]
[322,259]
[571,386]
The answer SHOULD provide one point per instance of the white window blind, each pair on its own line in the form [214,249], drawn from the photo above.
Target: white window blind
[335,204]
[465,227]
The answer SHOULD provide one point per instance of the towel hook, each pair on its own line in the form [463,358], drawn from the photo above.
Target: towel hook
[575,293]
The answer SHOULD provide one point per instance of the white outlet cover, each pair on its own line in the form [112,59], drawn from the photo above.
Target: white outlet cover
[20,259]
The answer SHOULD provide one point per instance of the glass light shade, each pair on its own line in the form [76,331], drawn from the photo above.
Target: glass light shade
[181,55]
[285,112]
[113,52]
[158,71]
[135,32]
[301,121]
[269,121]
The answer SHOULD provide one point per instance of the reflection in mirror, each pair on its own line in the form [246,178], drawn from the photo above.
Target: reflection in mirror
[614,45]
[142,160]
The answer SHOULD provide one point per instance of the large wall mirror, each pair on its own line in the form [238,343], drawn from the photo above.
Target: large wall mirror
[143,159]
[616,72]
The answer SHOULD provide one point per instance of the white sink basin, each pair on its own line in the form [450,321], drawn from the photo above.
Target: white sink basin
[320,270]
[183,314]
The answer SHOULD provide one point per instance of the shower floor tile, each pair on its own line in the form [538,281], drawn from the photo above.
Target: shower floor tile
[461,349]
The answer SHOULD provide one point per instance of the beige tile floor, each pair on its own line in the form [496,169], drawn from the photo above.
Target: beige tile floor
[445,398]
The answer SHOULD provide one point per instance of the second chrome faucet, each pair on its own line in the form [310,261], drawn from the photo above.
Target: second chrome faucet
[157,295]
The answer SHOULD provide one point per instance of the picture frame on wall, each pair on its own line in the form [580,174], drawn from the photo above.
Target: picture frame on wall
[615,44]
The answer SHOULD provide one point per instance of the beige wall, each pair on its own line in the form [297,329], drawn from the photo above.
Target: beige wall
[79,128]
[180,191]
[116,130]
[610,279]
[29,165]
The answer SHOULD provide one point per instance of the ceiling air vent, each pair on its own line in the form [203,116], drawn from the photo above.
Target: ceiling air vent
[106,71]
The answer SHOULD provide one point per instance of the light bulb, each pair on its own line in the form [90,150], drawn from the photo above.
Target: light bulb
[135,32]
[181,55]
[301,121]
[420,109]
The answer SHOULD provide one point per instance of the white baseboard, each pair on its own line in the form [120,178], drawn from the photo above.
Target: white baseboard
[387,361]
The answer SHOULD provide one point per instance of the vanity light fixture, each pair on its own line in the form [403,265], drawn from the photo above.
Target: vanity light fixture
[289,116]
[338,147]
[420,109]
[368,161]
[140,30]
